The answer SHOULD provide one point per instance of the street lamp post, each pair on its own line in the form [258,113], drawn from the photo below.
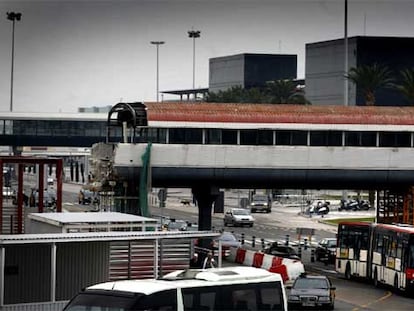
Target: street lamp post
[157,43]
[12,16]
[194,34]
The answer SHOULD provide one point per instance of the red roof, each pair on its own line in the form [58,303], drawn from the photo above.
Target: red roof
[272,113]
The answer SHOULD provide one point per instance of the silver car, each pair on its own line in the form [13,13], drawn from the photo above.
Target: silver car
[238,217]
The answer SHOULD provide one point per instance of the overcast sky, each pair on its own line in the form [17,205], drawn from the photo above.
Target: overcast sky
[71,54]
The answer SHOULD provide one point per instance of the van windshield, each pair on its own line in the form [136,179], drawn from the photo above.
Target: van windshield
[97,302]
[103,300]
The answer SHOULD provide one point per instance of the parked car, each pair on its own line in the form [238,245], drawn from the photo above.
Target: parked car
[177,225]
[311,291]
[49,197]
[87,197]
[238,217]
[261,202]
[279,250]
[8,192]
[326,250]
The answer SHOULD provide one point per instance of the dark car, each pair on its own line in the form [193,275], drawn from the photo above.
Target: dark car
[283,251]
[326,250]
[311,291]
[261,202]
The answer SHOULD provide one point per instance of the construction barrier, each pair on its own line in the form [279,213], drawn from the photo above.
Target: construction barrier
[288,268]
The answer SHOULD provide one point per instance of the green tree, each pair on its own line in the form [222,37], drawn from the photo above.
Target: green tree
[275,92]
[406,86]
[370,78]
[285,92]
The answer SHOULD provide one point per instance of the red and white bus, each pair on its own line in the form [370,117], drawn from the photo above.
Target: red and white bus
[383,253]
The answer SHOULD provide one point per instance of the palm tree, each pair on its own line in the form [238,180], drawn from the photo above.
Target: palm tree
[285,92]
[407,84]
[370,78]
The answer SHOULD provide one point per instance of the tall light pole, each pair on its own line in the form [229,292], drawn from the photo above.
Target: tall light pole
[157,44]
[12,16]
[194,34]
[346,82]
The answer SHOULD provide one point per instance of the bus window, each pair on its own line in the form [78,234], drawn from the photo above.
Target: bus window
[411,257]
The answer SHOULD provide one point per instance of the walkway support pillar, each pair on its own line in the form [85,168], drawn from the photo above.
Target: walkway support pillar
[205,196]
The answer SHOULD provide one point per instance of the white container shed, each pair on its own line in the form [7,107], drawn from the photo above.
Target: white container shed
[88,222]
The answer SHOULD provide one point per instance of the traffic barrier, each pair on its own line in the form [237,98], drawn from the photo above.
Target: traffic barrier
[240,254]
[288,268]
[258,260]
[249,258]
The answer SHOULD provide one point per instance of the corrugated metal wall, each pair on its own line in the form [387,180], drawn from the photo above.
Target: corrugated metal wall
[27,273]
[174,255]
[135,259]
[80,265]
[132,260]
[9,225]
[45,306]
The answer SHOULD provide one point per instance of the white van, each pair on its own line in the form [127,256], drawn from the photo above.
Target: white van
[230,288]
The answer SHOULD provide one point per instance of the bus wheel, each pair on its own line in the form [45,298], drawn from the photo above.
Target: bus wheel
[348,271]
[376,278]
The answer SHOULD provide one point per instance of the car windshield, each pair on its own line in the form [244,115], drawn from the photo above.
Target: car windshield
[331,243]
[260,198]
[306,283]
[241,212]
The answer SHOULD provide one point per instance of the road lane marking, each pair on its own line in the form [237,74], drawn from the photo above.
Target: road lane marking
[386,296]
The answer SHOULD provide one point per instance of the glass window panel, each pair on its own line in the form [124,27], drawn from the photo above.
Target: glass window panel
[283,138]
[193,136]
[368,139]
[8,127]
[292,138]
[213,136]
[299,138]
[394,139]
[326,138]
[265,137]
[93,130]
[156,135]
[361,139]
[229,137]
[248,137]
[185,136]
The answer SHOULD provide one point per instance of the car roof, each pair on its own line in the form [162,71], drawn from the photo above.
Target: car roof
[191,278]
[307,276]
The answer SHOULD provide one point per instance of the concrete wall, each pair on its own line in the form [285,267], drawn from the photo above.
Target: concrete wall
[250,70]
[226,72]
[324,73]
